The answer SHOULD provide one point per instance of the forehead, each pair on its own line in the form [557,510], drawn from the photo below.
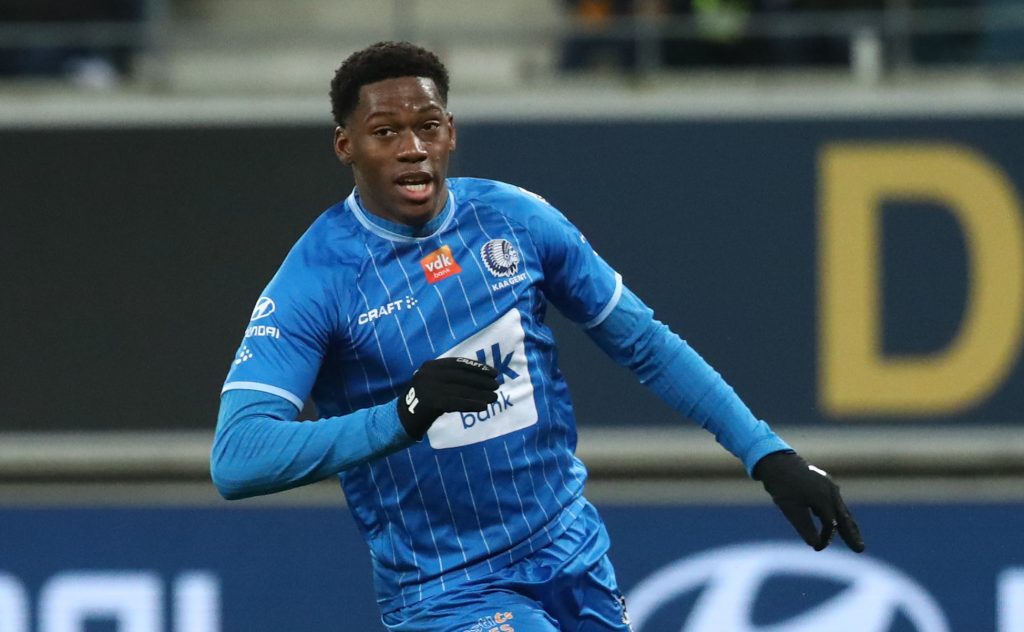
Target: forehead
[398,94]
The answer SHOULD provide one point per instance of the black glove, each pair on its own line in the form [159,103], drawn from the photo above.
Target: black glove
[797,487]
[446,385]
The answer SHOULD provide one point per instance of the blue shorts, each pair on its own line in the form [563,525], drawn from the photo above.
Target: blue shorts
[568,585]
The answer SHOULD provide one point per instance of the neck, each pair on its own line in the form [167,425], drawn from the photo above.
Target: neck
[388,227]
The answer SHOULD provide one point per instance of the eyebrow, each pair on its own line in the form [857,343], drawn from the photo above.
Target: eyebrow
[420,110]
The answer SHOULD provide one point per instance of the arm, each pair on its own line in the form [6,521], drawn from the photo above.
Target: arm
[680,377]
[260,448]
[589,292]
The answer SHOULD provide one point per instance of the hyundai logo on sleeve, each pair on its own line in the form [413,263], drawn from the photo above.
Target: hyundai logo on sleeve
[264,307]
[731,579]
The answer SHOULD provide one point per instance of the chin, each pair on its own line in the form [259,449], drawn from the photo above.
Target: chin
[421,214]
[417,217]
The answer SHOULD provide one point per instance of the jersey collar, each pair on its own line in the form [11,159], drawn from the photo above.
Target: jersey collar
[400,232]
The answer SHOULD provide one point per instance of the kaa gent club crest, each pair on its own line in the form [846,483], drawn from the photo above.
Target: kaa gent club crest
[500,257]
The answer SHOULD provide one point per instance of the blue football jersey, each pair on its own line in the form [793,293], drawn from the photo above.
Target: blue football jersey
[359,303]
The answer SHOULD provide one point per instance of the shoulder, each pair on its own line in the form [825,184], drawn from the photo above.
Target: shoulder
[502,197]
[538,218]
[332,240]
[327,253]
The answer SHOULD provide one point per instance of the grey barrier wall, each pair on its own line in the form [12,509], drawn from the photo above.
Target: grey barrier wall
[836,271]
[133,259]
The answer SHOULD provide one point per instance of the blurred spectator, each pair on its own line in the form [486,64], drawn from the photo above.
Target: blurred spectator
[600,46]
[719,36]
[722,37]
[90,65]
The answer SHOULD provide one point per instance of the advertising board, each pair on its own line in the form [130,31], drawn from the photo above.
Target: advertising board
[928,568]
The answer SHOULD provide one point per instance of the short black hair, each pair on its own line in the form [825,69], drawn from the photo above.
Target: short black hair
[383,60]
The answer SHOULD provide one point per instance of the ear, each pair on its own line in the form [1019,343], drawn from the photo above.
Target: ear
[451,132]
[342,145]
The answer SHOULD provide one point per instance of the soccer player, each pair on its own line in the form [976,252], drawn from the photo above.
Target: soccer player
[412,313]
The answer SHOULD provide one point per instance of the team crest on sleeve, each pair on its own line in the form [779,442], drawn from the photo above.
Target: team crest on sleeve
[500,257]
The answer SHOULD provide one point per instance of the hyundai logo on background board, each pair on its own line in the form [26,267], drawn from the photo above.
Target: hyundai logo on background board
[732,579]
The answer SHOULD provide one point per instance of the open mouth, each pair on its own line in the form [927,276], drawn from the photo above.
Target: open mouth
[417,186]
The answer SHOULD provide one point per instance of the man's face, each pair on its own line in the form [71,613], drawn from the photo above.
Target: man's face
[397,141]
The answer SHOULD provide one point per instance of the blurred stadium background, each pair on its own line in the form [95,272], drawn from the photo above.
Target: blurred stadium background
[823,197]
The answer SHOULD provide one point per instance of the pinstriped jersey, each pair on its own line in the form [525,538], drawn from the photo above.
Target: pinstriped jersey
[359,303]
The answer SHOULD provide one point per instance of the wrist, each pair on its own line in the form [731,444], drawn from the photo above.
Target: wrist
[766,462]
[385,431]
[414,418]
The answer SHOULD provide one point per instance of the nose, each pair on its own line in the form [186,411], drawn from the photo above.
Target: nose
[412,148]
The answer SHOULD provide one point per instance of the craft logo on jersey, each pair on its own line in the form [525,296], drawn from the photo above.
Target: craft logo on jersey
[439,264]
[264,307]
[386,309]
[501,345]
[244,354]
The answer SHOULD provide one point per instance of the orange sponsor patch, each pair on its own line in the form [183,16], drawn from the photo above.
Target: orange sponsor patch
[439,264]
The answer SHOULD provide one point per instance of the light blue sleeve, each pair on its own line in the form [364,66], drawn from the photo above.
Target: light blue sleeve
[679,376]
[577,280]
[259,447]
[288,333]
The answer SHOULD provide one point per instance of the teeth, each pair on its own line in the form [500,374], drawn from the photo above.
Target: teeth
[416,187]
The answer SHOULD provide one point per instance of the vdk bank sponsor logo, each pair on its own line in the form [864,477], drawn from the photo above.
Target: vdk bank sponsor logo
[730,580]
[503,365]
[501,345]
[440,264]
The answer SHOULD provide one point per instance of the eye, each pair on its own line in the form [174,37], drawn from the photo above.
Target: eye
[383,132]
[430,126]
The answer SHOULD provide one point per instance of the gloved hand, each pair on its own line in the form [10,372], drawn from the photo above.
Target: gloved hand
[446,385]
[798,489]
